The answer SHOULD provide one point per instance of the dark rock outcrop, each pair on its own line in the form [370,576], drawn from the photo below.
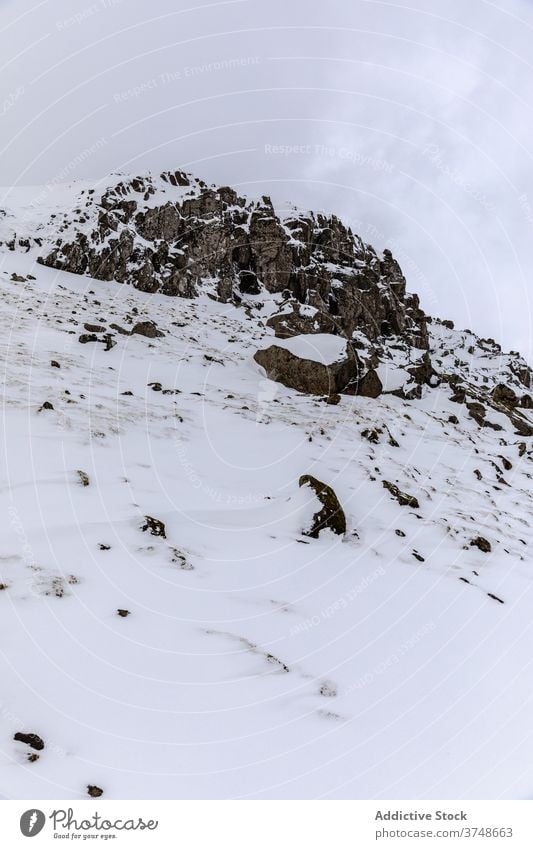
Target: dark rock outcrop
[333,281]
[504,395]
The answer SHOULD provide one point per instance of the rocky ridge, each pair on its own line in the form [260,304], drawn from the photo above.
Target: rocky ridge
[304,273]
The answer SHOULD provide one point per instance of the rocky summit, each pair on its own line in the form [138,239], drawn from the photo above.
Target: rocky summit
[177,236]
[267,524]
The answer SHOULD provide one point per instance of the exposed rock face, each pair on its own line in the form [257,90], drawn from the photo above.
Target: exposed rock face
[174,235]
[331,515]
[368,385]
[303,273]
[503,394]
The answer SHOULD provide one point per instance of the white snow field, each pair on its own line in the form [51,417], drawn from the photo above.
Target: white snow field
[254,662]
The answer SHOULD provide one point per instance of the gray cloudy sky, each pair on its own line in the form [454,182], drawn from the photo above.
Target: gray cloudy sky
[412,121]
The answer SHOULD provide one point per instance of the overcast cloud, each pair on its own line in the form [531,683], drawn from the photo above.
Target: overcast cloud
[412,122]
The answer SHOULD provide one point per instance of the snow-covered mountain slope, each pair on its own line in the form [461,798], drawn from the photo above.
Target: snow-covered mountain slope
[253,662]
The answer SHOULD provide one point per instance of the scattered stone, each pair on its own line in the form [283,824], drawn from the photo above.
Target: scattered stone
[495,597]
[122,612]
[84,478]
[33,757]
[331,516]
[87,337]
[399,533]
[148,329]
[94,791]
[333,399]
[453,420]
[155,526]
[54,364]
[418,557]
[32,740]
[156,386]
[392,441]
[481,543]
[120,329]
[181,560]
[94,328]
[104,547]
[402,498]
[109,341]
[47,406]
[328,689]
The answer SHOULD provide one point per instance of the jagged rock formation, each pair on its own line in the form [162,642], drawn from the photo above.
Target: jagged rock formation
[175,235]
[304,273]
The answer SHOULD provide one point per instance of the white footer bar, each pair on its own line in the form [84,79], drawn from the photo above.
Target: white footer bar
[269,824]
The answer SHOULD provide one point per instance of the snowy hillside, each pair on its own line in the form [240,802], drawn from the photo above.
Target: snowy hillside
[167,629]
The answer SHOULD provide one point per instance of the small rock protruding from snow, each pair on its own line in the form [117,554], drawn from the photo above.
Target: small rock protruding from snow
[94,792]
[403,498]
[481,543]
[32,740]
[331,516]
[155,526]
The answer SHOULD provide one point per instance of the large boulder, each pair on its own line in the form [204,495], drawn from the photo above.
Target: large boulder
[318,364]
